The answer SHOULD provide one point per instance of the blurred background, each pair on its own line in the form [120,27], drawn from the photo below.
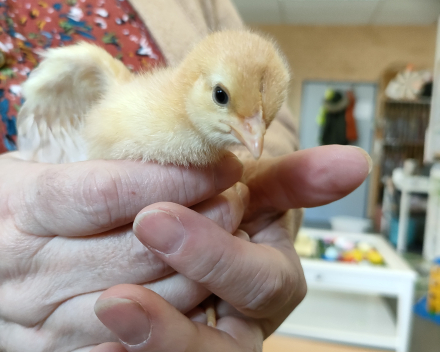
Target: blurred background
[366,73]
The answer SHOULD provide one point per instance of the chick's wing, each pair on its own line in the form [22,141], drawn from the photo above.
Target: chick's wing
[58,95]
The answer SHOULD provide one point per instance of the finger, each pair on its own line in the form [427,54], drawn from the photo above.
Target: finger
[255,279]
[109,347]
[84,264]
[242,234]
[307,178]
[198,314]
[75,317]
[91,197]
[143,321]
[226,209]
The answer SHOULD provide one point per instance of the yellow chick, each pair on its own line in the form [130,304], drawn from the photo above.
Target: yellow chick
[81,103]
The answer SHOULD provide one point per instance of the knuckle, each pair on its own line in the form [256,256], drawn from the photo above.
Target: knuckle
[175,185]
[301,290]
[19,306]
[278,288]
[141,258]
[228,210]
[197,182]
[16,338]
[42,196]
[50,182]
[6,208]
[184,195]
[186,186]
[265,295]
[93,195]
[229,215]
[236,206]
[98,196]
[214,271]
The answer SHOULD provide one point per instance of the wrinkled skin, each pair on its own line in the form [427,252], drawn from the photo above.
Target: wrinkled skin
[66,243]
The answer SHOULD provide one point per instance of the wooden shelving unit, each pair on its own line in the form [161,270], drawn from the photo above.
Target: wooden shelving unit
[399,135]
[404,127]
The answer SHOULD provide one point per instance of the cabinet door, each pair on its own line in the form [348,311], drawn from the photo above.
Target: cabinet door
[354,204]
[432,141]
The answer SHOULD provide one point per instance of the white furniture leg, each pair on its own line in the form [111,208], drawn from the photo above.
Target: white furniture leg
[431,242]
[405,301]
[403,221]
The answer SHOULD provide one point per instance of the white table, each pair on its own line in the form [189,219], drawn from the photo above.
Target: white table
[407,184]
[344,302]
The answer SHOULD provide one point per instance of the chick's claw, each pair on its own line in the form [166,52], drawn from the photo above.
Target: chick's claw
[211,316]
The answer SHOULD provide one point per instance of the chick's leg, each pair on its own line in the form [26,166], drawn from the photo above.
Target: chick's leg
[209,306]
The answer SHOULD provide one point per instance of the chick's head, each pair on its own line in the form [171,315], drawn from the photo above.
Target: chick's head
[237,81]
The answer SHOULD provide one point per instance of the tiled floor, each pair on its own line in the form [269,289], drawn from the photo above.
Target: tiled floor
[425,334]
[426,338]
[278,343]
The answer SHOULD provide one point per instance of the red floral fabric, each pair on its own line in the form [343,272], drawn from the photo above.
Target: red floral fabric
[29,26]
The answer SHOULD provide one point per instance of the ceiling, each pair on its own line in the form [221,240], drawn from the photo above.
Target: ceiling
[340,12]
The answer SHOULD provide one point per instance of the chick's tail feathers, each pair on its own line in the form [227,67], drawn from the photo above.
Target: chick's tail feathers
[58,95]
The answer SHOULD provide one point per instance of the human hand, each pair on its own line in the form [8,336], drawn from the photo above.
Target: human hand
[259,282]
[65,236]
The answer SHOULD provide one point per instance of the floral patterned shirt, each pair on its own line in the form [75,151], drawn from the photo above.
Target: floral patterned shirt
[29,26]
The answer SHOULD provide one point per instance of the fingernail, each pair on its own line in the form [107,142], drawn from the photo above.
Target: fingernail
[242,234]
[159,230]
[125,318]
[227,171]
[366,156]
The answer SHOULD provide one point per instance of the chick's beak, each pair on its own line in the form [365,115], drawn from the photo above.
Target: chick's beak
[250,131]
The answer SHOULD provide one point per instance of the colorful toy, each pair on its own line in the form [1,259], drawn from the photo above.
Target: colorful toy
[364,246]
[340,249]
[331,253]
[344,243]
[305,246]
[354,255]
[433,298]
[375,257]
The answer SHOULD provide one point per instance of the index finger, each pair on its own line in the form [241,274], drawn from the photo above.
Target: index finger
[257,279]
[91,197]
[307,178]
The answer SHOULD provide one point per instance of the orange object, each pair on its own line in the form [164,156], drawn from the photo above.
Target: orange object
[350,123]
[41,24]
[433,299]
[355,255]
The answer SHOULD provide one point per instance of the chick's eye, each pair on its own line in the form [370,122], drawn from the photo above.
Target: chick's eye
[220,96]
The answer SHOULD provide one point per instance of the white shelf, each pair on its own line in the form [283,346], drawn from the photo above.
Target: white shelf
[344,301]
[343,317]
[409,183]
[393,261]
